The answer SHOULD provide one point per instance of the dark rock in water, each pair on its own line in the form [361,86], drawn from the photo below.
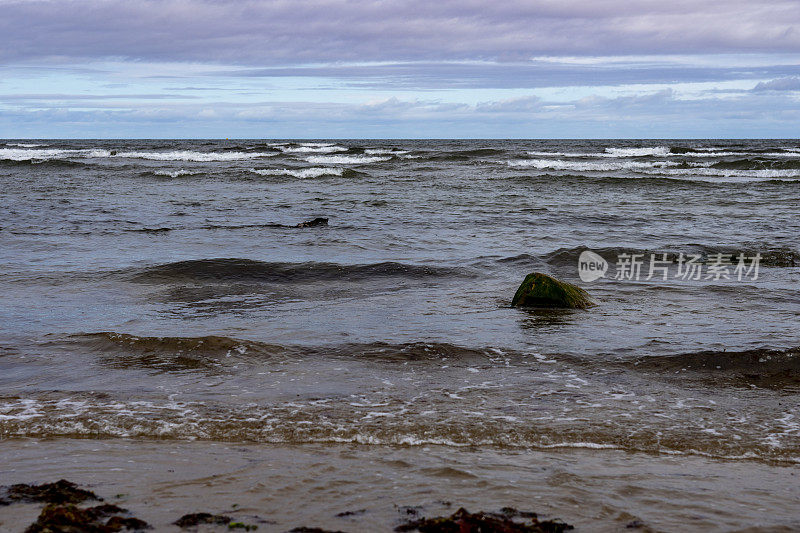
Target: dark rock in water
[510,512]
[61,491]
[351,513]
[69,518]
[541,290]
[107,509]
[193,519]
[462,521]
[319,221]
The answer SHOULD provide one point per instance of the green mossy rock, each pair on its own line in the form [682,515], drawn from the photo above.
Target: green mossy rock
[541,290]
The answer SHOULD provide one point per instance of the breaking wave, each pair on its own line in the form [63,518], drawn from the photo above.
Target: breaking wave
[757,164]
[16,154]
[311,148]
[557,164]
[659,151]
[313,172]
[345,159]
[25,145]
[175,173]
[384,151]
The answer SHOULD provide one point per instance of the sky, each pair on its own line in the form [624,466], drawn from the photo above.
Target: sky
[399,69]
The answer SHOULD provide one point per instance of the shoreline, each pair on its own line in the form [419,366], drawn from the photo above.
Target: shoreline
[371,487]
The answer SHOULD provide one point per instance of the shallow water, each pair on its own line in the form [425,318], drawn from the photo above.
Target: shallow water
[160,290]
[280,487]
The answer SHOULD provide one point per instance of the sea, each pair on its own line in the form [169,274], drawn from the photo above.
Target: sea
[172,332]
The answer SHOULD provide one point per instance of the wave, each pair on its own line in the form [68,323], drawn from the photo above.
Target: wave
[767,368]
[25,145]
[189,155]
[227,270]
[345,159]
[46,163]
[757,164]
[537,153]
[302,422]
[707,151]
[305,149]
[171,353]
[175,173]
[16,154]
[384,151]
[715,173]
[659,151]
[222,346]
[602,166]
[459,155]
[20,154]
[721,175]
[662,151]
[313,172]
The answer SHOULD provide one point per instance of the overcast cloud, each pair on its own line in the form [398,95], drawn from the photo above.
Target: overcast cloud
[121,68]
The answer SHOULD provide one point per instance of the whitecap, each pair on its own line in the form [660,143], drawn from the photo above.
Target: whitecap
[345,159]
[564,154]
[557,164]
[313,149]
[638,152]
[174,173]
[20,154]
[26,154]
[25,145]
[312,172]
[384,151]
[728,175]
[189,155]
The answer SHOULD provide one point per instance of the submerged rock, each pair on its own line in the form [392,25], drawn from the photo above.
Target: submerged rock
[61,491]
[319,221]
[462,521]
[194,519]
[541,290]
[70,518]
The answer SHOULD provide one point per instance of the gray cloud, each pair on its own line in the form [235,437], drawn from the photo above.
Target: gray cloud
[534,74]
[781,84]
[283,32]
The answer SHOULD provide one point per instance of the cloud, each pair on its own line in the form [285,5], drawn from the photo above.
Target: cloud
[660,113]
[398,67]
[90,97]
[525,104]
[286,32]
[531,74]
[780,84]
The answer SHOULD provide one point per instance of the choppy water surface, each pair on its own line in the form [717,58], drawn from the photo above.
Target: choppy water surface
[160,289]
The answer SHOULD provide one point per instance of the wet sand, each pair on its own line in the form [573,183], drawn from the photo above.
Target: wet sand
[279,487]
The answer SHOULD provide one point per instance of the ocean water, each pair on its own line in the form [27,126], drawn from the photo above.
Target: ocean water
[158,295]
